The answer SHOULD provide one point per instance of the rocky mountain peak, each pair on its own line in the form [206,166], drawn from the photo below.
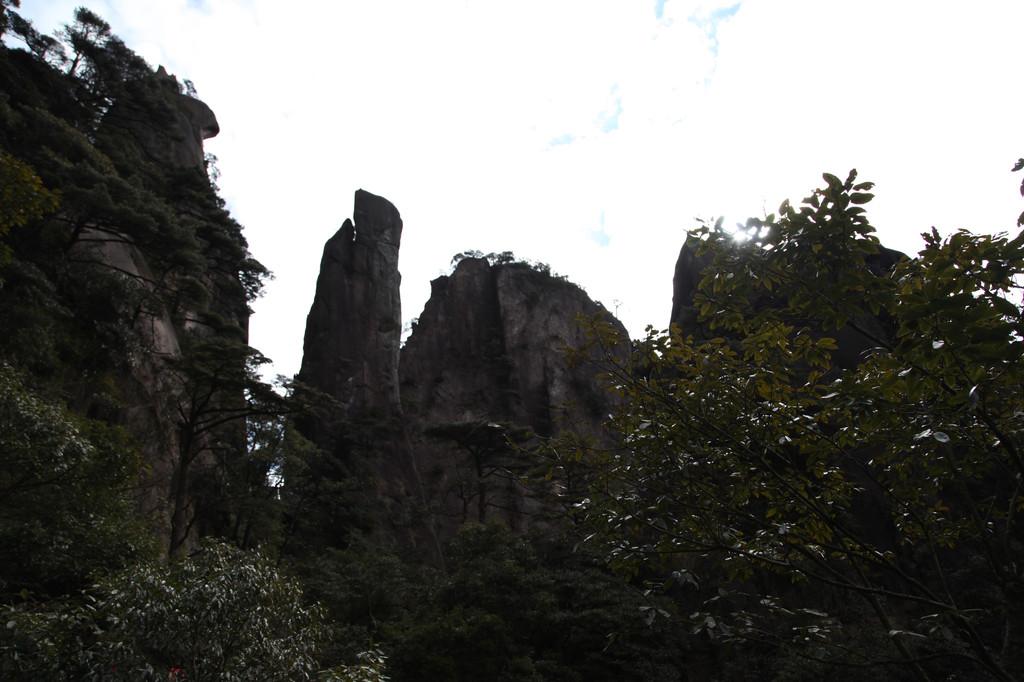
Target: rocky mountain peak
[484,366]
[354,327]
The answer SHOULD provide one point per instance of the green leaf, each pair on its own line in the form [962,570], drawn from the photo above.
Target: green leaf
[1005,307]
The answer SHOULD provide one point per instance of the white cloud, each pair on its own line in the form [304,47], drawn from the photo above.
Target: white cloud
[449,109]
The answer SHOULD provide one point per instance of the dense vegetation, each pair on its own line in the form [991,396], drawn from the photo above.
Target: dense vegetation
[865,519]
[123,299]
[765,514]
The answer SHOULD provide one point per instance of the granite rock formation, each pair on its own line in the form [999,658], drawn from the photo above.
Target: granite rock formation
[159,127]
[351,354]
[354,327]
[488,350]
[429,425]
[171,133]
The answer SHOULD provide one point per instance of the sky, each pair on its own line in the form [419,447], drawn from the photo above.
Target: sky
[586,134]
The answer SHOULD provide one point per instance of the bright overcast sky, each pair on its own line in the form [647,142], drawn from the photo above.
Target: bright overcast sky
[587,134]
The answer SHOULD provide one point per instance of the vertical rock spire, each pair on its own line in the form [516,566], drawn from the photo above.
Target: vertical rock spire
[354,327]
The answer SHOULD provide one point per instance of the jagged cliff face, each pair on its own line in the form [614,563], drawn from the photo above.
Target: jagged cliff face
[484,362]
[490,345]
[129,295]
[162,130]
[488,349]
[177,457]
[172,138]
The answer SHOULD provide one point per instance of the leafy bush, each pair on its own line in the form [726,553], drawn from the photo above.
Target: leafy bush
[757,458]
[218,614]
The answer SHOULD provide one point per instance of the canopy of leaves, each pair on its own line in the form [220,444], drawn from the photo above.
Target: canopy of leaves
[218,614]
[22,198]
[511,609]
[66,505]
[751,457]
